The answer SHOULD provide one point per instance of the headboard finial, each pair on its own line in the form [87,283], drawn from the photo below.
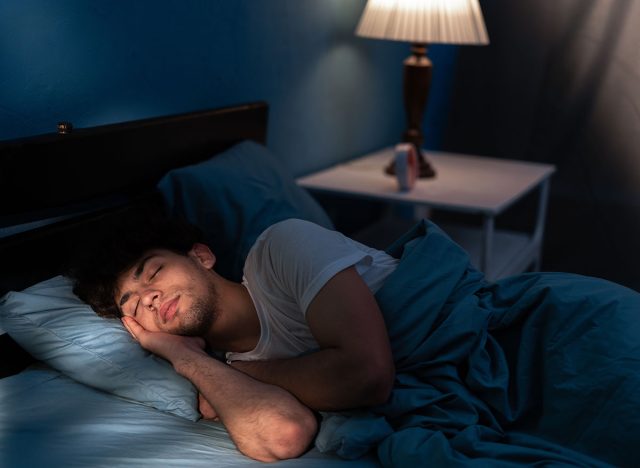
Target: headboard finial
[64,127]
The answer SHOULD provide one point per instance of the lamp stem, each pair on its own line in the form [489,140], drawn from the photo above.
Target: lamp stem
[417,79]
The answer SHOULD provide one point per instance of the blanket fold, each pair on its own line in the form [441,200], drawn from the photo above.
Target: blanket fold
[536,368]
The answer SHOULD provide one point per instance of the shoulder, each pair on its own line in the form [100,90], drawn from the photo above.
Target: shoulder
[292,224]
[292,231]
[298,241]
[281,237]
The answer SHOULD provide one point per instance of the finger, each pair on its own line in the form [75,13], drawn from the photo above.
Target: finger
[126,326]
[205,408]
[132,326]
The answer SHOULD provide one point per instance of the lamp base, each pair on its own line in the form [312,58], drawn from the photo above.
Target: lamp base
[425,170]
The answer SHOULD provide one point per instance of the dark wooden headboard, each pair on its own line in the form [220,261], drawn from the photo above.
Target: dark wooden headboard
[81,177]
[40,174]
[99,169]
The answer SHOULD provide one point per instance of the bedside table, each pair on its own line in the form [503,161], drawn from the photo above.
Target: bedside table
[464,184]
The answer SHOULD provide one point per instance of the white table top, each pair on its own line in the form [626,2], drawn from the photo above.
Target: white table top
[462,183]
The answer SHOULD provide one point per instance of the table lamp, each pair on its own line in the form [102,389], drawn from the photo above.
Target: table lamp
[421,22]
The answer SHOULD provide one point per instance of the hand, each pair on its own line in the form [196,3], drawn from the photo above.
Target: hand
[205,408]
[170,347]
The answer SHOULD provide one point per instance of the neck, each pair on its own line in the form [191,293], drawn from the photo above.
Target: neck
[237,327]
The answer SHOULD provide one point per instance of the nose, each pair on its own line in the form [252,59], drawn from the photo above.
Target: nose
[150,297]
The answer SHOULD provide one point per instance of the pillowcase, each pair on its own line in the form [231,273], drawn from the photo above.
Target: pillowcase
[56,327]
[233,197]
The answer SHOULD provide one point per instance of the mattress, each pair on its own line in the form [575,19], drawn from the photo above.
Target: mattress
[49,420]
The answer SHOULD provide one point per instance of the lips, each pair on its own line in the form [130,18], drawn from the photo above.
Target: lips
[169,309]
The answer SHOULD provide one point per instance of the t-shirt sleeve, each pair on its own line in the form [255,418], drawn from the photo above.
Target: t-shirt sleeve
[303,256]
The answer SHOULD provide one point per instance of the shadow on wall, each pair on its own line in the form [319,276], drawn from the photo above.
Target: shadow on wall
[559,84]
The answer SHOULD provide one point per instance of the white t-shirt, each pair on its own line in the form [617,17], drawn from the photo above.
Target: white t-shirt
[286,267]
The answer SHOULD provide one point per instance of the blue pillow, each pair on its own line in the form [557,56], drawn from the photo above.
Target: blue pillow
[56,327]
[233,197]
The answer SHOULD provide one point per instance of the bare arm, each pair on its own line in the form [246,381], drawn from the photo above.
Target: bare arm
[265,422]
[354,366]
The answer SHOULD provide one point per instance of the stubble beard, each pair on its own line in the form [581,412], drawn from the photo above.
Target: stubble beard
[201,315]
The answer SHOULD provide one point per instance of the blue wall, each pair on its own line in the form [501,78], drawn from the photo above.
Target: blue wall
[333,95]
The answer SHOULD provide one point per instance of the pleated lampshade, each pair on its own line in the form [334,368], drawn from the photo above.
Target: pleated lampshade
[424,21]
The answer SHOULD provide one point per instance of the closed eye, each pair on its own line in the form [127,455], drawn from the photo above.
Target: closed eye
[155,273]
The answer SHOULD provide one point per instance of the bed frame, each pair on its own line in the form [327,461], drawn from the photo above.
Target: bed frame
[75,179]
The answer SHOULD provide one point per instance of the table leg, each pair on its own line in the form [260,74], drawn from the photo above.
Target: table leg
[421,212]
[487,244]
[538,231]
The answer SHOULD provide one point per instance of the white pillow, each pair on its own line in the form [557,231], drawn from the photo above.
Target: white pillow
[56,327]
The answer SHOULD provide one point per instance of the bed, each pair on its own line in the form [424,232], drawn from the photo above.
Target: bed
[75,399]
[534,369]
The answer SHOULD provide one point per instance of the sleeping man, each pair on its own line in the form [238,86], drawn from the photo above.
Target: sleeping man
[302,331]
[411,353]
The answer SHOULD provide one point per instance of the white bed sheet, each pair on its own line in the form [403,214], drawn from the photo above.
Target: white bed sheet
[49,420]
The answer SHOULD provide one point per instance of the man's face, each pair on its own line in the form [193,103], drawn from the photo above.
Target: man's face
[166,291]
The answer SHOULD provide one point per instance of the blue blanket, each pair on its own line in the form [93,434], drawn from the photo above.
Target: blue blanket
[538,368]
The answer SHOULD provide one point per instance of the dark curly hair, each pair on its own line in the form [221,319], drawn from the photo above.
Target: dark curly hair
[116,245]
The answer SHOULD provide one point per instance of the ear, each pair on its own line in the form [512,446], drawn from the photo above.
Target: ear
[203,255]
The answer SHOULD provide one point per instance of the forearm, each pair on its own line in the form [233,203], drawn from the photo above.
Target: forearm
[326,380]
[264,421]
